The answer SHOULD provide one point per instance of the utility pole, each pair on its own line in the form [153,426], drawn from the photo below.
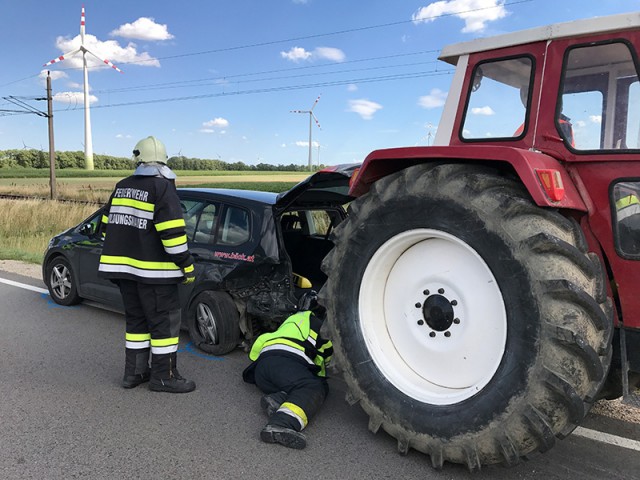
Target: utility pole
[52,151]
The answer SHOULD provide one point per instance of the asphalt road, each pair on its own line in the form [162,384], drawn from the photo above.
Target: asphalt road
[64,415]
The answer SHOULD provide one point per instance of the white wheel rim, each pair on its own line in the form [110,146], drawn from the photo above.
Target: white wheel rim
[438,365]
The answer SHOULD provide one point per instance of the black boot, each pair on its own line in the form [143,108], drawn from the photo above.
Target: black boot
[136,367]
[271,403]
[284,436]
[165,376]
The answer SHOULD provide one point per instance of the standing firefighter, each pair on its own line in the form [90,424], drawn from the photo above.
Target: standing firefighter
[289,367]
[145,252]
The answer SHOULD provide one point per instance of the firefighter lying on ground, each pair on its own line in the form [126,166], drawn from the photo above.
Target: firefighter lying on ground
[289,366]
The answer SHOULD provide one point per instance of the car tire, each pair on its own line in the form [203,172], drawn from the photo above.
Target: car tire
[214,323]
[470,324]
[61,282]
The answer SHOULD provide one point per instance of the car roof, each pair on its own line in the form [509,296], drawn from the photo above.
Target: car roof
[268,198]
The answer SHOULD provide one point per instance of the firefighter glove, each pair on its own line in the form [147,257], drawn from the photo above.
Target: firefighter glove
[189,275]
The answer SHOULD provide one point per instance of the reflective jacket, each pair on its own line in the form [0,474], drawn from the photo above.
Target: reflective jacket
[145,232]
[298,335]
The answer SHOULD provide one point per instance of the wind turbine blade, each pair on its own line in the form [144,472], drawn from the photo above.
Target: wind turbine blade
[104,61]
[61,58]
[82,24]
[317,122]
[299,111]
[316,102]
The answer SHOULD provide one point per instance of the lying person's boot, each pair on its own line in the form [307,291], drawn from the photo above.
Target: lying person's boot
[131,381]
[271,403]
[284,436]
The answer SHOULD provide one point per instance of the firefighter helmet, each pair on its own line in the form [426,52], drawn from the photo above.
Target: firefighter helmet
[150,150]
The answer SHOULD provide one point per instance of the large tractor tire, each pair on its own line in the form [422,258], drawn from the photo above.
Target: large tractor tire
[469,323]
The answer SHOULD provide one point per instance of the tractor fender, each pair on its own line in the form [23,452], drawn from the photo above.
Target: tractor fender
[525,163]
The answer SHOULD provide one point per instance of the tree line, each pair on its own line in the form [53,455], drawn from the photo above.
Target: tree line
[32,158]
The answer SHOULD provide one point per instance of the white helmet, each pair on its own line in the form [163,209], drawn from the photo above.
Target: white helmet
[150,150]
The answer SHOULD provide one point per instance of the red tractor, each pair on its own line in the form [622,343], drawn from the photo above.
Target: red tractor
[482,292]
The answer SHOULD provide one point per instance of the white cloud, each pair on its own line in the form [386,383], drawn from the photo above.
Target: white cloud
[435,99]
[144,28]
[580,124]
[314,144]
[121,135]
[475,13]
[329,53]
[55,75]
[110,50]
[216,123]
[296,54]
[483,111]
[73,98]
[363,107]
[299,54]
[595,118]
[352,87]
[207,130]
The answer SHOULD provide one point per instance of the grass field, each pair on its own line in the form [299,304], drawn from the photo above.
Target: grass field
[27,225]
[98,188]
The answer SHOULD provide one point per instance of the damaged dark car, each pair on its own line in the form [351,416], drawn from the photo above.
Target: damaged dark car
[255,254]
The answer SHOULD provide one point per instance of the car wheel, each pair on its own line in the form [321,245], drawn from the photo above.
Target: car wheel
[214,323]
[61,282]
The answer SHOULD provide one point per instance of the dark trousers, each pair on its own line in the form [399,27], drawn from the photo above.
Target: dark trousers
[153,310]
[304,389]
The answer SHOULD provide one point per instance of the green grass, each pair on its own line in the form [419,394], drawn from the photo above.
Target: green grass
[275,187]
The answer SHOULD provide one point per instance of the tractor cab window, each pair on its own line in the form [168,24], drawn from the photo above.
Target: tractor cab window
[599,106]
[498,100]
[626,218]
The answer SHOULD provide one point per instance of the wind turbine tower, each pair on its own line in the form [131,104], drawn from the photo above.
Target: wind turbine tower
[312,117]
[88,142]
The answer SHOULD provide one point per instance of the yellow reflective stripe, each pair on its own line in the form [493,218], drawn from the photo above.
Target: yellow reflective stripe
[170,224]
[128,202]
[627,201]
[283,341]
[189,269]
[137,337]
[172,242]
[313,335]
[104,219]
[164,342]
[115,260]
[297,410]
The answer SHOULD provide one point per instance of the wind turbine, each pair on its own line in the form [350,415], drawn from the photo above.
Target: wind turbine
[88,142]
[311,118]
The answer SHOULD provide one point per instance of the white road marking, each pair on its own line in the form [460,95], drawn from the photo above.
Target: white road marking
[607,438]
[23,285]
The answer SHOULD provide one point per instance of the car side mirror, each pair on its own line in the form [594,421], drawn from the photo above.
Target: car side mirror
[86,229]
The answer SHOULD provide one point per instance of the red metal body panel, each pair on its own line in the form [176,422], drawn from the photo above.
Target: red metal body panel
[381,163]
[597,178]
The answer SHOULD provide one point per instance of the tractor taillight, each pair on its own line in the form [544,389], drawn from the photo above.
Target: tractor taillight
[551,180]
[353,176]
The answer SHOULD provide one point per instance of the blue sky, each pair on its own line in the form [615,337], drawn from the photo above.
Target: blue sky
[219,79]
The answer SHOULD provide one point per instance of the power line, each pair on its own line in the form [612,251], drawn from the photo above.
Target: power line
[394,77]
